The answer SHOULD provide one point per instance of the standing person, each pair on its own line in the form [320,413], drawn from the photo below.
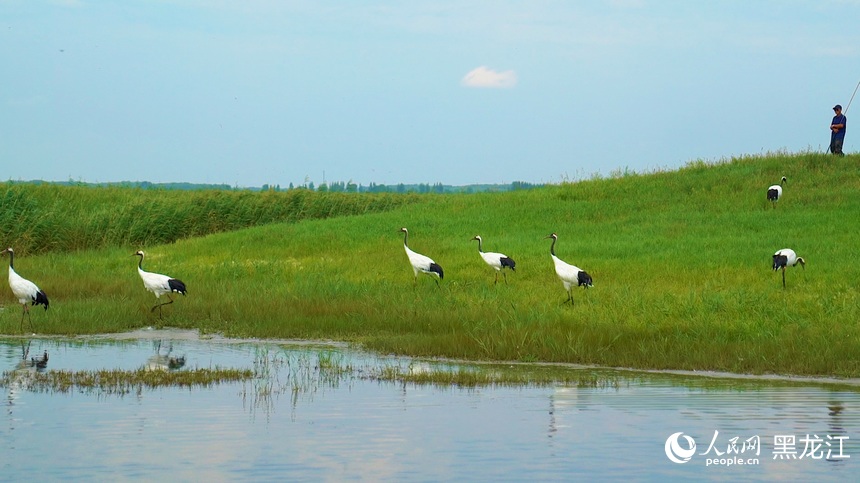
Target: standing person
[837,128]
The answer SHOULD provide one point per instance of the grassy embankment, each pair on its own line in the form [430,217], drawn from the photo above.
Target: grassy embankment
[681,265]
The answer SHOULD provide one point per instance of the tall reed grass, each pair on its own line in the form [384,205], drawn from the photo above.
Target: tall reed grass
[42,218]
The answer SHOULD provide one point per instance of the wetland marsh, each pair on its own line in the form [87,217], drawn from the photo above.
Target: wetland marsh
[467,380]
[681,262]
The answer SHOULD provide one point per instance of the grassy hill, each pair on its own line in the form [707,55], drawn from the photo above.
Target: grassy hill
[681,262]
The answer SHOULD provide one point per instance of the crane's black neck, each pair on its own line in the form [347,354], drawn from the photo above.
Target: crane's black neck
[480,246]
[552,247]
[12,260]
[406,238]
[140,262]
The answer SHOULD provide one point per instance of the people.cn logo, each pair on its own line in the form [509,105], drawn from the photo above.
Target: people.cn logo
[675,452]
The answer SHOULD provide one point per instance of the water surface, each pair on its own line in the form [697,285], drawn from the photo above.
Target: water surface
[295,422]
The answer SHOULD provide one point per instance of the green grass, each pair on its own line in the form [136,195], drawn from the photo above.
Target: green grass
[681,262]
[119,382]
[42,218]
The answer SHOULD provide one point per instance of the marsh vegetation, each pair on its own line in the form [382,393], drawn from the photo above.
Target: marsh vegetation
[681,262]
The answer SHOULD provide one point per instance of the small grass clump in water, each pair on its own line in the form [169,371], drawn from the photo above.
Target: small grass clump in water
[121,382]
[486,376]
[306,373]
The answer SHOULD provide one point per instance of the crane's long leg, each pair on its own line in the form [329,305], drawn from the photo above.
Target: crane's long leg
[569,298]
[783,277]
[29,319]
[158,306]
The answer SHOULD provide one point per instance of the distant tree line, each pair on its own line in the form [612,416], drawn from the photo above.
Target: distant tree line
[330,187]
[420,188]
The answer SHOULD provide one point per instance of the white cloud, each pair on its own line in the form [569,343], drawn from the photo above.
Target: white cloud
[485,77]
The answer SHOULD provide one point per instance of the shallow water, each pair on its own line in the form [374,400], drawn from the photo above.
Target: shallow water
[297,424]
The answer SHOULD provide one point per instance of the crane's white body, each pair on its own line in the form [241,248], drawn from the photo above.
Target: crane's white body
[159,284]
[786,257]
[774,192]
[497,261]
[493,259]
[569,274]
[156,283]
[421,263]
[24,290]
[791,258]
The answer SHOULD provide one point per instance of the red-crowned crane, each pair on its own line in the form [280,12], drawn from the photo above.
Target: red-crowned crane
[421,263]
[569,274]
[786,258]
[24,290]
[496,260]
[158,284]
[775,192]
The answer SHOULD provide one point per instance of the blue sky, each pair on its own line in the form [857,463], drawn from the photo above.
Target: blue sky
[459,92]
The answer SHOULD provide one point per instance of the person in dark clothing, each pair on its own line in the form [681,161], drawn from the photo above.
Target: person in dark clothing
[837,130]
